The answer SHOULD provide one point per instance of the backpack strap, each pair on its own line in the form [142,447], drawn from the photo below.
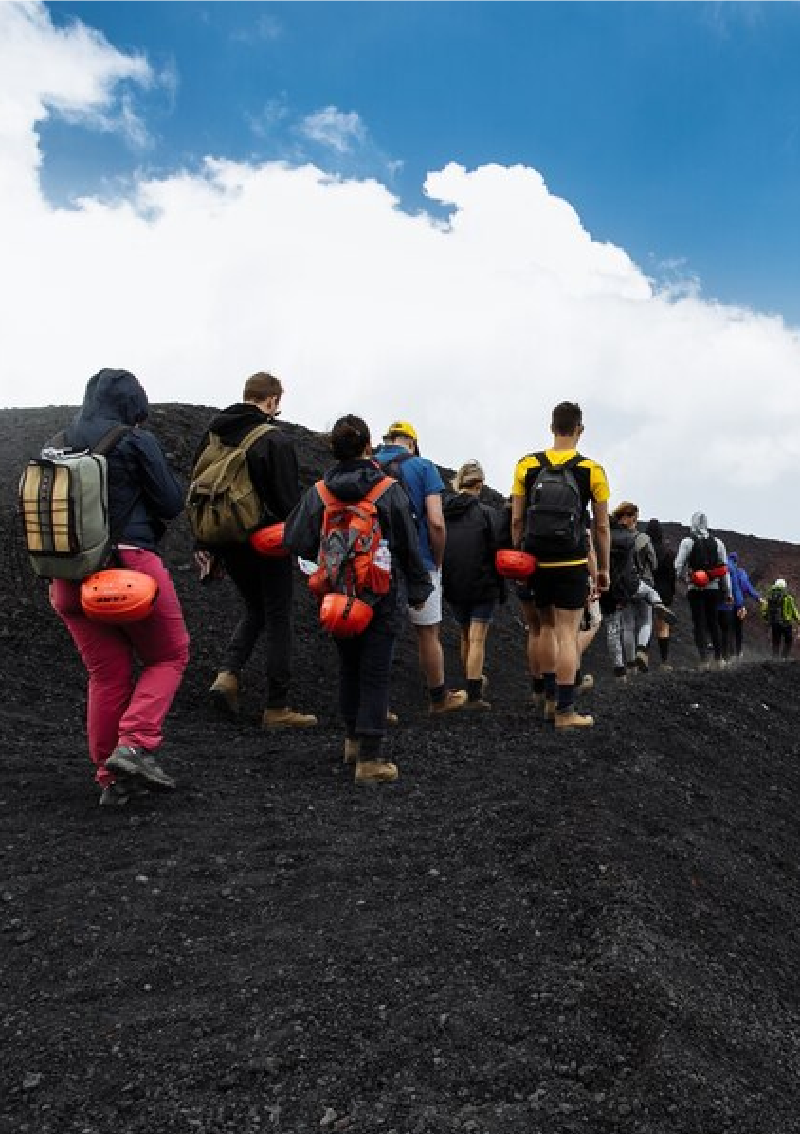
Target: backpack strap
[255,435]
[374,494]
[379,488]
[109,440]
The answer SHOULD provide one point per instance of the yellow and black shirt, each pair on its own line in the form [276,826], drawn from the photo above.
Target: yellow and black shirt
[589,476]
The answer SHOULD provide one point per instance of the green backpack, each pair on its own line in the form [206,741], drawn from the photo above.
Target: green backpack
[222,504]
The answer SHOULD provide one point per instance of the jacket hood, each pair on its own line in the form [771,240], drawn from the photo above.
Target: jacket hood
[655,531]
[699,525]
[352,480]
[733,558]
[113,396]
[233,423]
[456,504]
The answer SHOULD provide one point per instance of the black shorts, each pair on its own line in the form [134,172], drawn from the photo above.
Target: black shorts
[564,587]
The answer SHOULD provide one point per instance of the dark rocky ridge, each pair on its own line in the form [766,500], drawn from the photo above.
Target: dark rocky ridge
[529,933]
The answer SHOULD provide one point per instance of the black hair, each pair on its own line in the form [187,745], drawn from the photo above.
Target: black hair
[567,417]
[349,437]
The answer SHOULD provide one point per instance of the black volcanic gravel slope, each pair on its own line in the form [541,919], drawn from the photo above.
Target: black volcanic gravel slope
[529,932]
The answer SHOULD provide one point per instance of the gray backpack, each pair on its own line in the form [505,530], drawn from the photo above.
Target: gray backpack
[63,500]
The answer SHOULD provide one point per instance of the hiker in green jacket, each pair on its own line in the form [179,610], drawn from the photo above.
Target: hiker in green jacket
[779,609]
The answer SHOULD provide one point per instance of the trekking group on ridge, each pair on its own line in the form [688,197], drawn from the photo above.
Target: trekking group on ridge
[382,539]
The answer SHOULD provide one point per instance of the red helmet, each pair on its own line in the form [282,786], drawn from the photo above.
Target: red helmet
[699,578]
[269,541]
[344,616]
[718,572]
[514,564]
[118,595]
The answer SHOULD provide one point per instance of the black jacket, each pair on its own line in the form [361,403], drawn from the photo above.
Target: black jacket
[473,536]
[271,461]
[143,492]
[350,481]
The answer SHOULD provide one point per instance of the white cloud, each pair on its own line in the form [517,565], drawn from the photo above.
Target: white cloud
[335,129]
[472,328]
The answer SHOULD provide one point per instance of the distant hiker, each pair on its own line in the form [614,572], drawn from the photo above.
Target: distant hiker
[365,660]
[399,457]
[701,563]
[551,493]
[470,582]
[664,580]
[644,555]
[780,611]
[126,706]
[248,430]
[732,611]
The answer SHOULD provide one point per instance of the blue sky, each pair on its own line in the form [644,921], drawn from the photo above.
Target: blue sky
[672,128]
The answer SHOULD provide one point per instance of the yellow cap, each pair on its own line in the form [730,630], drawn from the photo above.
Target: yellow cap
[404,427]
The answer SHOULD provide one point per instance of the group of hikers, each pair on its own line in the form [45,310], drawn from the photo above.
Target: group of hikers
[382,540]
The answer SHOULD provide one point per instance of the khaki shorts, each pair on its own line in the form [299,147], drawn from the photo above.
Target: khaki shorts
[431,613]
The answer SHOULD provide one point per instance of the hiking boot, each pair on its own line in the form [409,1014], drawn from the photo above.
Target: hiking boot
[665,614]
[392,718]
[352,749]
[478,705]
[224,693]
[453,699]
[287,718]
[549,709]
[667,667]
[642,661]
[376,772]
[139,764]
[571,719]
[585,685]
[121,792]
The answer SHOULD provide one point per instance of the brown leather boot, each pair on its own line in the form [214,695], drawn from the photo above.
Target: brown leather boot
[571,719]
[376,772]
[352,749]
[452,700]
[287,718]
[224,693]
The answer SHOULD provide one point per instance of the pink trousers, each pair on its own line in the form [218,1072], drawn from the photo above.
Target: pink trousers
[119,708]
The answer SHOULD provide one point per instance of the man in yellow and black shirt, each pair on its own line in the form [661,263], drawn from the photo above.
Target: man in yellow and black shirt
[561,582]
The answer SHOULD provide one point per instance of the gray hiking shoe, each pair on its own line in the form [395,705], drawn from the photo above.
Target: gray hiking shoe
[121,792]
[138,763]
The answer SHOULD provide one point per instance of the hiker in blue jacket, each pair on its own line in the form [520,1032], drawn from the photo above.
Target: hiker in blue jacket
[732,611]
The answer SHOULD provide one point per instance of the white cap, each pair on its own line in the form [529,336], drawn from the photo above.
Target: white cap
[779,583]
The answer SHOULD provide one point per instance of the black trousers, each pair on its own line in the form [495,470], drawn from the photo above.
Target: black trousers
[265,587]
[781,640]
[730,631]
[365,664]
[703,605]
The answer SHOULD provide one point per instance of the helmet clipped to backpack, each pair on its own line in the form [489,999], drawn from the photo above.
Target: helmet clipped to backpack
[511,564]
[344,616]
[269,541]
[118,595]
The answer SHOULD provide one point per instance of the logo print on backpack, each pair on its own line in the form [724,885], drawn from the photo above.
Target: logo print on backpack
[555,526]
[349,543]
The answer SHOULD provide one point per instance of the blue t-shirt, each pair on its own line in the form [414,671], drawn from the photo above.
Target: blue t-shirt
[421,478]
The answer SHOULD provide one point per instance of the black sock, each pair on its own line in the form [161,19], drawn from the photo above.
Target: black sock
[474,688]
[538,685]
[549,680]
[370,748]
[436,694]
[565,698]
[663,648]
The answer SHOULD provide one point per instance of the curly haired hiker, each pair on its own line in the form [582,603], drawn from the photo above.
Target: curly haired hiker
[779,609]
[470,583]
[125,713]
[701,564]
[264,585]
[550,496]
[365,660]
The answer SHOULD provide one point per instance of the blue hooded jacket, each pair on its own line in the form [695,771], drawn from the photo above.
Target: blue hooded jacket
[143,491]
[741,586]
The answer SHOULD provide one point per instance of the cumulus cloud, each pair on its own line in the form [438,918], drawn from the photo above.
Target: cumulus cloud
[472,327]
[333,128]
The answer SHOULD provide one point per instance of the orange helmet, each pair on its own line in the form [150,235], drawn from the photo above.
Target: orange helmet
[118,595]
[269,541]
[514,564]
[344,616]
[699,578]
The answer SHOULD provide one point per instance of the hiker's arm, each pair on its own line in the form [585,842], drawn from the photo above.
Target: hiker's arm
[517,520]
[162,490]
[681,557]
[304,525]
[602,542]
[727,586]
[277,475]
[437,532]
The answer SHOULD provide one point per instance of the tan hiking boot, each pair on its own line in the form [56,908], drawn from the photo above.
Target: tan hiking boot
[549,709]
[453,699]
[352,749]
[376,772]
[571,719]
[392,718]
[287,718]
[224,693]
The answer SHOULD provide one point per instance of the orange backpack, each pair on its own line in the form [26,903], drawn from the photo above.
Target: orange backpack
[349,542]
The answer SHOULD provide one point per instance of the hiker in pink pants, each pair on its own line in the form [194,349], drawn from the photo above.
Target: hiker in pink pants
[125,714]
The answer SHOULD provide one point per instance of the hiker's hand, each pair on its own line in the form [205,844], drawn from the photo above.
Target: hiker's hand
[603,581]
[741,614]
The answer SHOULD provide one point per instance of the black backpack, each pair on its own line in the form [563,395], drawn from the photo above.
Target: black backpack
[393,467]
[625,577]
[556,517]
[704,554]
[775,608]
